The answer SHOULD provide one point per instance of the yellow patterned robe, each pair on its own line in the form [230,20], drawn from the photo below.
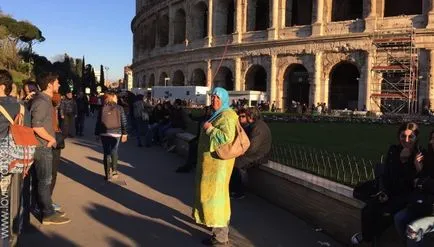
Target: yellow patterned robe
[212,203]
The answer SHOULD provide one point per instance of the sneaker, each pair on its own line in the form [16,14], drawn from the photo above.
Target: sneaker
[55,219]
[214,242]
[56,207]
[115,175]
[357,238]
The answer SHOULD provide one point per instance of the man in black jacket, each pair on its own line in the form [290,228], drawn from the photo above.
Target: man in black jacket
[258,153]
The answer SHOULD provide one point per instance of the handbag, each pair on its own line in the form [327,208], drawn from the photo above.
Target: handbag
[21,143]
[237,148]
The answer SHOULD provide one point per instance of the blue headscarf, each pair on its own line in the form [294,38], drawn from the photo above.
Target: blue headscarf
[224,98]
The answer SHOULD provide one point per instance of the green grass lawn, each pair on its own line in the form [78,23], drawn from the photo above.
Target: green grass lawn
[368,141]
[343,152]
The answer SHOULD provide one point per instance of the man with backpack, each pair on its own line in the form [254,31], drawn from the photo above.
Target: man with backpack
[42,124]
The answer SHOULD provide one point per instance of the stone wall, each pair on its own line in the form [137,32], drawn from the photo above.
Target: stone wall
[319,47]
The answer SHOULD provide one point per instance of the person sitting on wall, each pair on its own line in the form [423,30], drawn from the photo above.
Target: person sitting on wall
[260,145]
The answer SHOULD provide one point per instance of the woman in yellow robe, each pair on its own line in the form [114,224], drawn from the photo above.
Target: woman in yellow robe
[212,203]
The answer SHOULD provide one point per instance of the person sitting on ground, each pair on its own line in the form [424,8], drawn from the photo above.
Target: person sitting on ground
[193,144]
[422,202]
[396,184]
[260,146]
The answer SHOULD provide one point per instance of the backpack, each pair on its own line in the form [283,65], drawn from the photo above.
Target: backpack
[111,117]
[17,149]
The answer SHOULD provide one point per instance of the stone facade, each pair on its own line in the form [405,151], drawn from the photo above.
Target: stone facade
[302,50]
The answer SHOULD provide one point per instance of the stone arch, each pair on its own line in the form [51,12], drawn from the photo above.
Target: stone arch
[402,7]
[163,30]
[225,79]
[344,86]
[151,82]
[198,78]
[178,78]
[298,12]
[258,15]
[179,25]
[199,15]
[256,78]
[224,14]
[163,76]
[343,10]
[296,86]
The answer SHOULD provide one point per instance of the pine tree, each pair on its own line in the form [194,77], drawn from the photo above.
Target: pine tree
[102,79]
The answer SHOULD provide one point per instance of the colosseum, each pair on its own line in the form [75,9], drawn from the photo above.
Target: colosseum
[375,55]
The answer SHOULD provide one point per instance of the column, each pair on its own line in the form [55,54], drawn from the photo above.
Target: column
[431,81]
[371,15]
[274,29]
[238,75]
[366,82]
[239,21]
[318,25]
[316,87]
[273,80]
[209,74]
[171,29]
[430,14]
[210,22]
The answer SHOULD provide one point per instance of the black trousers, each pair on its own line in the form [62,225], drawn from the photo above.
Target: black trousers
[79,123]
[377,217]
[238,179]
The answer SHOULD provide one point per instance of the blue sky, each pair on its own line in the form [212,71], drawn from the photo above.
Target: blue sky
[98,29]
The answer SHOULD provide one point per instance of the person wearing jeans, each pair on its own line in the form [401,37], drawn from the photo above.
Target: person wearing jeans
[42,124]
[111,130]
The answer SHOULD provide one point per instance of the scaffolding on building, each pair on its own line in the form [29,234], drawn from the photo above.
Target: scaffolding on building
[395,71]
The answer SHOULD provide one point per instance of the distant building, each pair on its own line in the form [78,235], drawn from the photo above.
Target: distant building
[98,75]
[128,78]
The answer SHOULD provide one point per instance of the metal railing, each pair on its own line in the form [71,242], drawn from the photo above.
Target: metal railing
[342,168]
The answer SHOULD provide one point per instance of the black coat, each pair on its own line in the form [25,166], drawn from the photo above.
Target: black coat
[260,146]
[398,178]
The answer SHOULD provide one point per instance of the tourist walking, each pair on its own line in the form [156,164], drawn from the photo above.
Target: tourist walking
[212,203]
[68,113]
[82,111]
[111,126]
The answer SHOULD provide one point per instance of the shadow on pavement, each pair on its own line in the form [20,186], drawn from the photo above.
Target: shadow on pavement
[143,231]
[32,235]
[164,215]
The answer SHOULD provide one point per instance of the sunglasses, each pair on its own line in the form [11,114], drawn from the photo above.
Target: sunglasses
[242,116]
[411,137]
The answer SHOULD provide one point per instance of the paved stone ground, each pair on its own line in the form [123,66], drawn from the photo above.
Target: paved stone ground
[153,207]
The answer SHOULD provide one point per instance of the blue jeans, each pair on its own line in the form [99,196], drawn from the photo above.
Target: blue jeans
[43,167]
[402,219]
[110,146]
